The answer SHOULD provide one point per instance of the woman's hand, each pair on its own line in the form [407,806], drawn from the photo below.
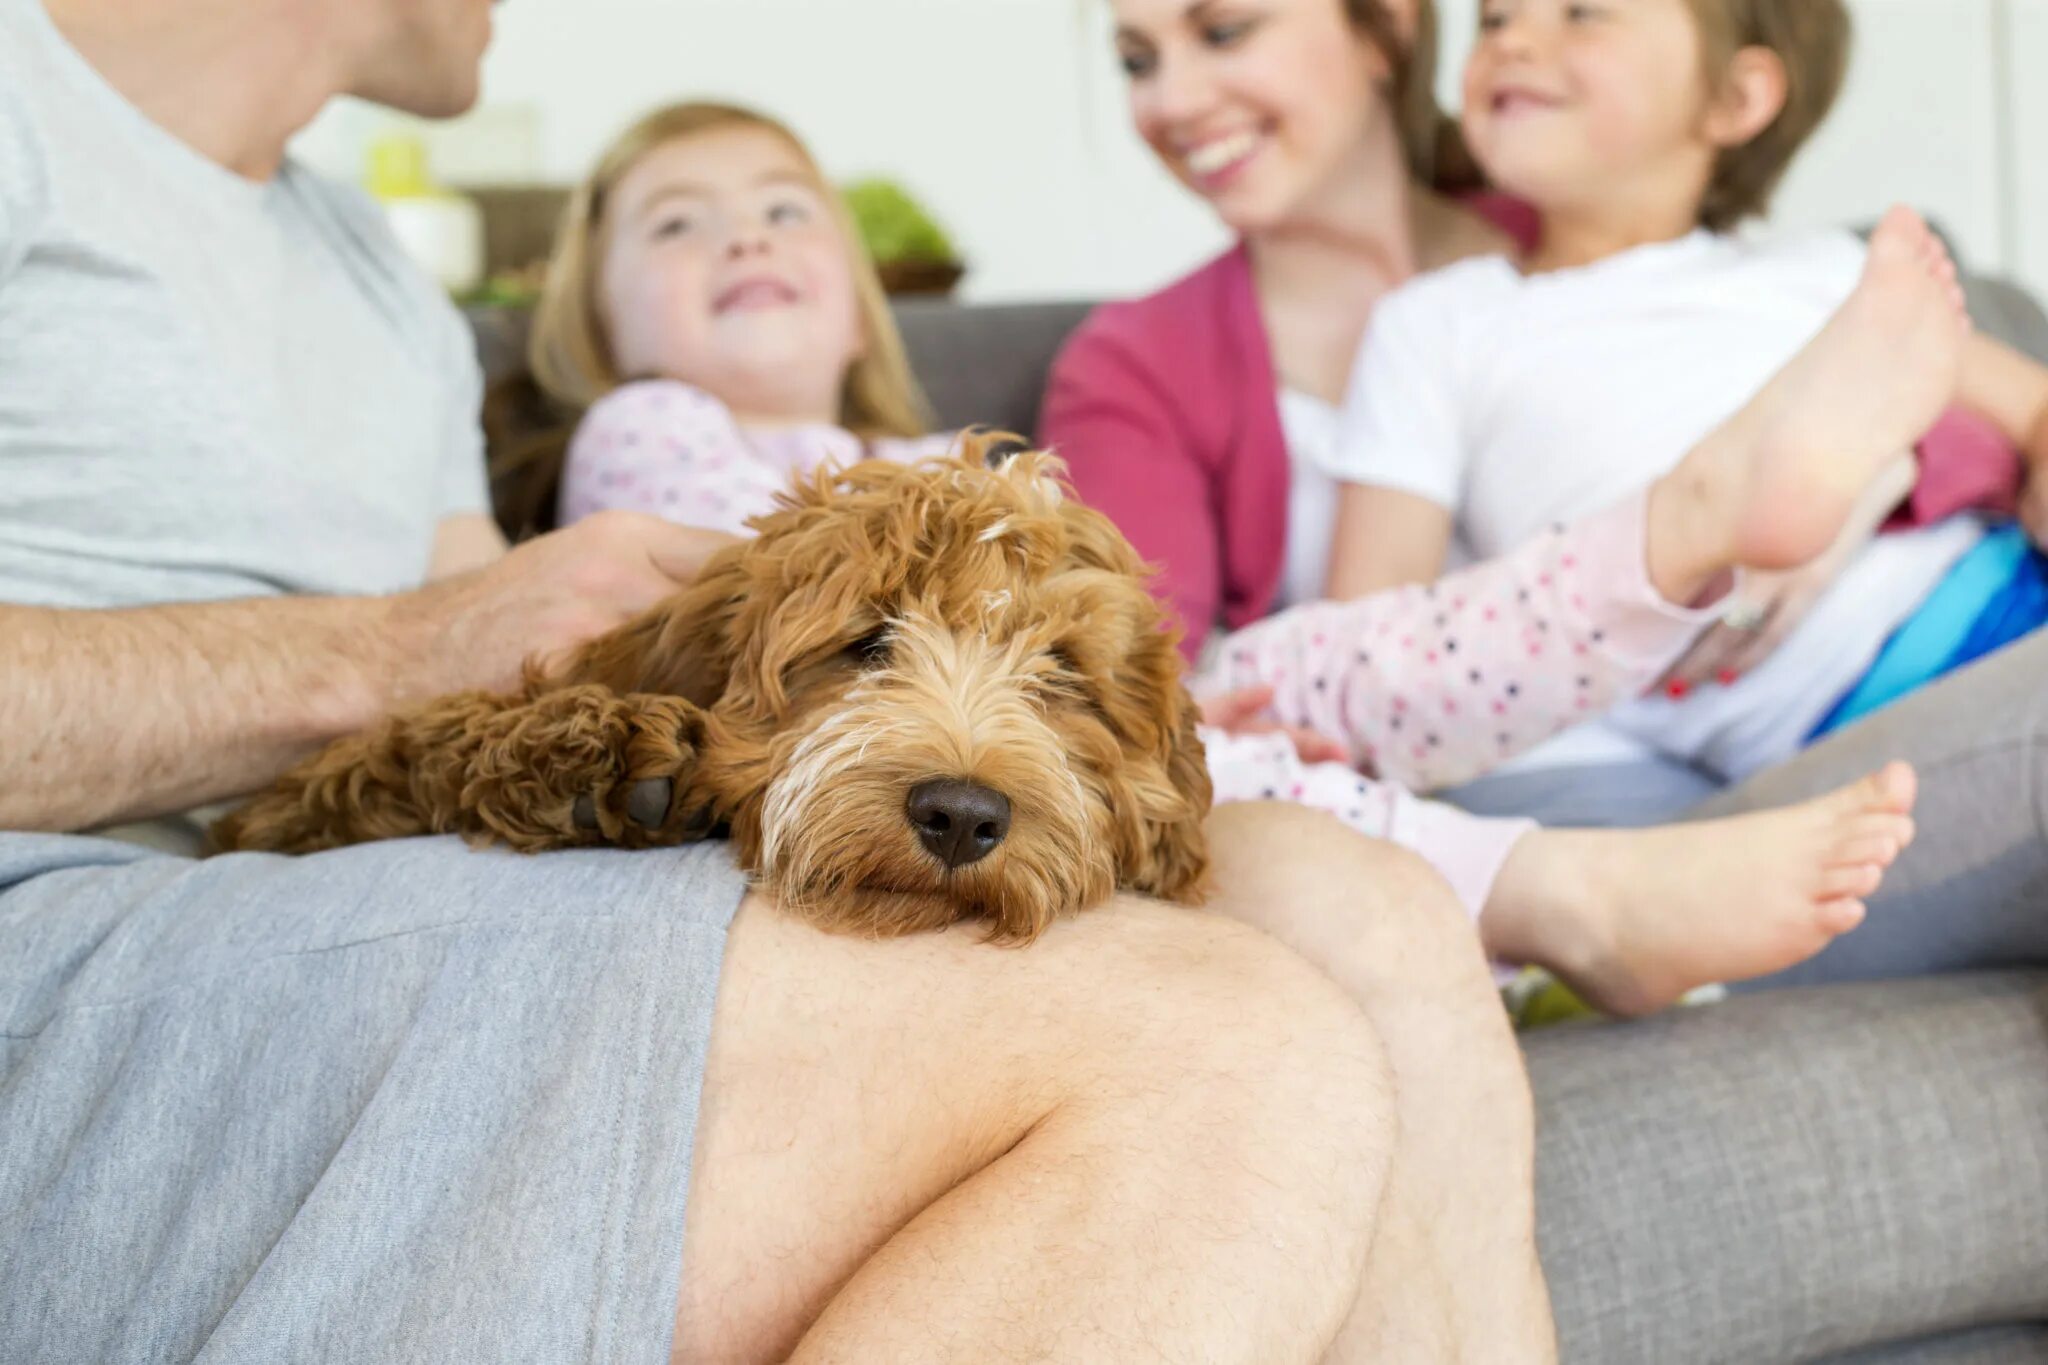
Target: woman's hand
[1244,712]
[1767,607]
[2033,508]
[1764,609]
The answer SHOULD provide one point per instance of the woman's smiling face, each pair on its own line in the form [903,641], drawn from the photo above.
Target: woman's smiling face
[1258,106]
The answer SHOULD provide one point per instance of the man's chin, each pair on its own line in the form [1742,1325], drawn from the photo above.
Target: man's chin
[422,95]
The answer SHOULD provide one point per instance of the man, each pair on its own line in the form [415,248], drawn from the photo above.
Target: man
[411,1102]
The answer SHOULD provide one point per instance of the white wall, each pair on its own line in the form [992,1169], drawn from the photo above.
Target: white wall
[2026,54]
[1006,117]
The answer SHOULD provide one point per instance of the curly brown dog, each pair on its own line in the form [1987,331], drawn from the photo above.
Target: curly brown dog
[918,695]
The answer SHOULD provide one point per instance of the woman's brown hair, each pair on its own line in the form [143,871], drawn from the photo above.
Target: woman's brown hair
[1430,141]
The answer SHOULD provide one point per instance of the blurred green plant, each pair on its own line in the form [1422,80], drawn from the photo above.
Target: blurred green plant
[893,226]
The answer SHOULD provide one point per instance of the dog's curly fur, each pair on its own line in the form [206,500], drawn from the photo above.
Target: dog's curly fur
[888,625]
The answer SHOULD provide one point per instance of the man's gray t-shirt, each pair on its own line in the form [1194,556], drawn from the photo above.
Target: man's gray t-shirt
[209,387]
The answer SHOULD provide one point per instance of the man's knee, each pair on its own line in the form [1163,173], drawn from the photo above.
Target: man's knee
[1279,862]
[1278,1068]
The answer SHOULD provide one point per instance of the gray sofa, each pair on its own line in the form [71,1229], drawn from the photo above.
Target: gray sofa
[1848,1174]
[1786,1177]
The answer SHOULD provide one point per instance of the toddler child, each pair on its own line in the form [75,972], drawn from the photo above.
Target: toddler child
[1498,396]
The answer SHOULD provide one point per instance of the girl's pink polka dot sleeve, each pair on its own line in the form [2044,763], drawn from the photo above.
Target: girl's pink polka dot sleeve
[669,450]
[1435,686]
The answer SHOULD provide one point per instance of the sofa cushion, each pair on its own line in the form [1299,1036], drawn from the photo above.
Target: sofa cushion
[1796,1172]
[986,364]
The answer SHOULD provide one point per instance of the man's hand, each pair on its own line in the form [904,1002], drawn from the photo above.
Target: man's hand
[543,598]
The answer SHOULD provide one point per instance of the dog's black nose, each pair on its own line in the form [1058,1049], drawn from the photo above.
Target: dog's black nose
[960,822]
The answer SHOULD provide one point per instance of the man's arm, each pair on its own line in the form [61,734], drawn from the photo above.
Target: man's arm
[464,542]
[115,715]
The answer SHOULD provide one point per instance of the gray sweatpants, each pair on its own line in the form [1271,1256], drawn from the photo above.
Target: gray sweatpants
[404,1102]
[1972,891]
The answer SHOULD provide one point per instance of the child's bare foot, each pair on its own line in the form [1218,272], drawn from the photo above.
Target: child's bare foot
[1633,919]
[1775,484]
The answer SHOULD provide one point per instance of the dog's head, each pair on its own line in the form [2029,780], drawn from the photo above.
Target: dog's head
[935,693]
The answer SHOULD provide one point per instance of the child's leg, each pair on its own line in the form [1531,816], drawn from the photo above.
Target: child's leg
[1433,687]
[1467,850]
[1632,919]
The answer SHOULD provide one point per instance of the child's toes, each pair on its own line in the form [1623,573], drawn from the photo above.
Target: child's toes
[1839,917]
[1868,850]
[1897,829]
[1851,882]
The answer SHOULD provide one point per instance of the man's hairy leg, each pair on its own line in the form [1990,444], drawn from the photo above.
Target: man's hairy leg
[1152,1131]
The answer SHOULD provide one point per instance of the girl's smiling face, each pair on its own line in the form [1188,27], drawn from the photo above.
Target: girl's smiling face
[726,267]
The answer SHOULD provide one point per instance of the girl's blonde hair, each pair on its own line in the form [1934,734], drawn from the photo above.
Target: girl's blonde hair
[570,348]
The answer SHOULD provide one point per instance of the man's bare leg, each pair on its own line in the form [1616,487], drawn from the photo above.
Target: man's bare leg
[1453,1274]
[1152,1133]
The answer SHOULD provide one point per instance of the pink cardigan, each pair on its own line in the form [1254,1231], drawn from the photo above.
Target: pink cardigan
[1167,413]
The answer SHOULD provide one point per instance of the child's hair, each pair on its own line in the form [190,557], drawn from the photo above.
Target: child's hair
[1430,141]
[570,352]
[1812,39]
[530,418]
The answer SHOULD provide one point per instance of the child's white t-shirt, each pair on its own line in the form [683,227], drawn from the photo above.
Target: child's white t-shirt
[1521,401]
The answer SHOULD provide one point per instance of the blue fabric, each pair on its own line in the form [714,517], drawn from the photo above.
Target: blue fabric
[1996,594]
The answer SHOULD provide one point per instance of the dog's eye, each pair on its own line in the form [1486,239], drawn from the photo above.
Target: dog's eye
[870,650]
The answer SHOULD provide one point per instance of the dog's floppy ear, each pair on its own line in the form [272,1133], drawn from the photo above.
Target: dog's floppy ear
[1164,788]
[680,647]
[1179,856]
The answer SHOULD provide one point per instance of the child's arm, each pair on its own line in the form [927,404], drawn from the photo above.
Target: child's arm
[1434,686]
[668,450]
[1384,538]
[1399,454]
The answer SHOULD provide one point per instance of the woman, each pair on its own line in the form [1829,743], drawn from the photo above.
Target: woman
[1322,148]
[1308,128]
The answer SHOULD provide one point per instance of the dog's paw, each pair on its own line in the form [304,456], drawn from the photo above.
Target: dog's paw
[590,767]
[647,805]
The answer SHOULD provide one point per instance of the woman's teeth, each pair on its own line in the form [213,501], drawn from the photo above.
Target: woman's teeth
[1212,157]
